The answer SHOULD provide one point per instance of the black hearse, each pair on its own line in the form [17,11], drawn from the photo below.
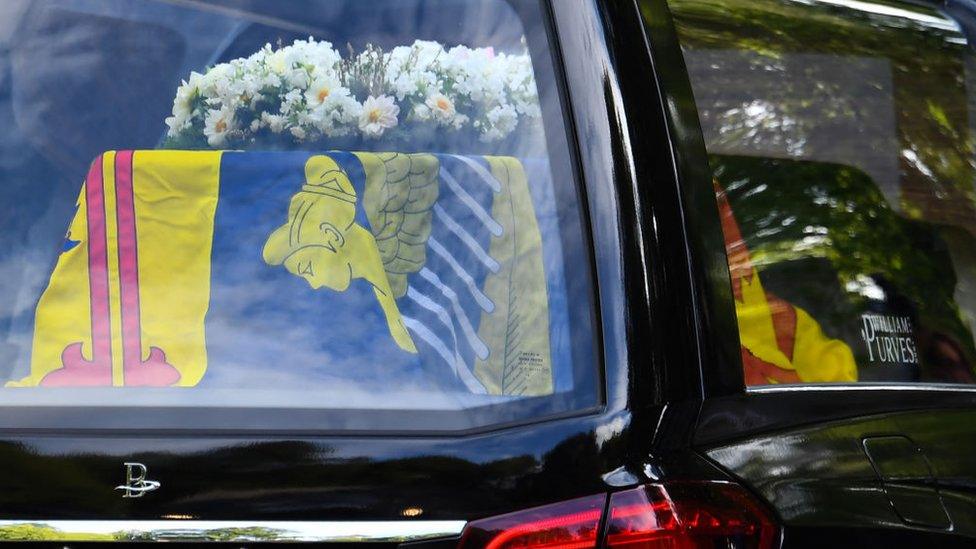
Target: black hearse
[488,274]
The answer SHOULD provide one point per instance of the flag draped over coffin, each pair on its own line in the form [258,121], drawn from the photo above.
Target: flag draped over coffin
[257,269]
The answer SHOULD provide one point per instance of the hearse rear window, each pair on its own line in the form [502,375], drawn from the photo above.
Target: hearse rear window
[330,205]
[841,140]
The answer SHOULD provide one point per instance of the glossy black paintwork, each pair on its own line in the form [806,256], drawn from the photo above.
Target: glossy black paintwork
[867,538]
[745,415]
[823,475]
[303,479]
[676,325]
[709,294]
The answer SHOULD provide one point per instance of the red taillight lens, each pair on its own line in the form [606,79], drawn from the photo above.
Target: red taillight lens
[680,515]
[688,515]
[572,524]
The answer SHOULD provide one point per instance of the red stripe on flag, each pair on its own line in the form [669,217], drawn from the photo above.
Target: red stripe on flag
[154,371]
[98,265]
[75,369]
[128,261]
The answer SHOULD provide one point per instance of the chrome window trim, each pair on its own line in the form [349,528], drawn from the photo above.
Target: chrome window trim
[227,530]
[929,387]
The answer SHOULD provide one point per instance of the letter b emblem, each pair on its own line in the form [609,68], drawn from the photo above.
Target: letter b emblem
[136,484]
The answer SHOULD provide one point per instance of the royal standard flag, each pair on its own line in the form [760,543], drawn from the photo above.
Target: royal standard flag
[241,269]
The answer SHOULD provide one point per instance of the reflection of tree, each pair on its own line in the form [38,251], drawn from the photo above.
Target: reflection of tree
[925,83]
[881,102]
[41,532]
[809,212]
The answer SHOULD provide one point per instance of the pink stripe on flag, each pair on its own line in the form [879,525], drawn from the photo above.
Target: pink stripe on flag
[128,261]
[98,265]
[154,371]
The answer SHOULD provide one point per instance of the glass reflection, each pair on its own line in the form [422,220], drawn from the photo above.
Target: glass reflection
[841,133]
[351,207]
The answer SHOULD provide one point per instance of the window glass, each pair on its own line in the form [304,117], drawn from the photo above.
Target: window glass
[840,136]
[331,205]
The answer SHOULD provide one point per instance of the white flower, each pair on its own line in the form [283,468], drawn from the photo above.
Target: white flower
[500,121]
[292,102]
[248,87]
[475,73]
[306,85]
[397,58]
[379,114]
[275,122]
[217,124]
[321,88]
[175,125]
[415,70]
[297,63]
[421,112]
[427,52]
[320,55]
[441,107]
[338,115]
[328,106]
[459,121]
[186,94]
[214,83]
[279,62]
[297,78]
[306,120]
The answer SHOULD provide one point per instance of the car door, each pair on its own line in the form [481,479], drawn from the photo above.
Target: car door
[838,143]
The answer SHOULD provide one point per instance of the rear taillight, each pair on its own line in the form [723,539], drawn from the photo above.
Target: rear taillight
[688,514]
[677,515]
[573,524]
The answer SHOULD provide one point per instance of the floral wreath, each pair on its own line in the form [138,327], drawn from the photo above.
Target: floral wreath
[307,92]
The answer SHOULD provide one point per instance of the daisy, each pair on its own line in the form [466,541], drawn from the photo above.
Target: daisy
[186,94]
[321,89]
[217,124]
[441,107]
[379,114]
